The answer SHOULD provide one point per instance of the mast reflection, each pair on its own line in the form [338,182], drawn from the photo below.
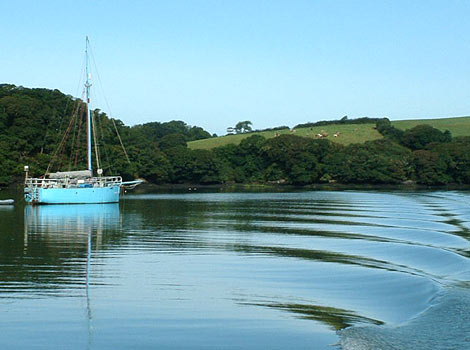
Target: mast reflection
[68,229]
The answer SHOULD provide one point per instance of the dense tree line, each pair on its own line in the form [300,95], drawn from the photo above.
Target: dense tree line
[343,121]
[32,122]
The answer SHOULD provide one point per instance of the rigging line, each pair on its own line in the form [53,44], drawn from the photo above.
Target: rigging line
[77,101]
[98,165]
[100,126]
[75,144]
[75,135]
[61,143]
[80,82]
[82,74]
[94,132]
[72,144]
[120,140]
[107,104]
[80,122]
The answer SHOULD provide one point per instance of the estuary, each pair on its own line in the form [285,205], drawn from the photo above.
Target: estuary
[289,270]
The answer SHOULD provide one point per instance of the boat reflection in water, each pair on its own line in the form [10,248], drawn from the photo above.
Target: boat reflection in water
[61,236]
[69,222]
[69,233]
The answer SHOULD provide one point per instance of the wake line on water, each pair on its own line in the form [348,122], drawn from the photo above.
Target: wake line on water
[444,325]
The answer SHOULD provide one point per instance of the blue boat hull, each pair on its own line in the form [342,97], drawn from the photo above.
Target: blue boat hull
[74,195]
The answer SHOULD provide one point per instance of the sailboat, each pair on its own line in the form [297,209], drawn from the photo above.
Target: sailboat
[80,186]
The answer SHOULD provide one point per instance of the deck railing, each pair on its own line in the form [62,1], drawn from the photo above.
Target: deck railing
[95,182]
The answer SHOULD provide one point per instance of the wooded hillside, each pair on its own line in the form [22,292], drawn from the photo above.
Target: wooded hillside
[33,122]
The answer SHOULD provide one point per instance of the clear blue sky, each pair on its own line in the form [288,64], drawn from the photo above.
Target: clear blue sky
[214,63]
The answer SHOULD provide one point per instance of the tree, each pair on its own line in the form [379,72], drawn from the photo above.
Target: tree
[180,159]
[431,168]
[384,126]
[422,135]
[170,141]
[380,161]
[204,167]
[459,152]
[293,158]
[154,131]
[153,166]
[251,164]
[242,127]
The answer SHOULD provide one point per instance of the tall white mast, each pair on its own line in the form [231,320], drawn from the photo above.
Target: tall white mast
[88,109]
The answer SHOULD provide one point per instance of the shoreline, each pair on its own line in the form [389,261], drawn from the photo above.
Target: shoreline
[270,187]
[256,187]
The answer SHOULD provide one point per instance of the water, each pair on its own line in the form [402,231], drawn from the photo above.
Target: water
[303,270]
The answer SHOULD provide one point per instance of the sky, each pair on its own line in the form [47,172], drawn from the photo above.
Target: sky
[213,63]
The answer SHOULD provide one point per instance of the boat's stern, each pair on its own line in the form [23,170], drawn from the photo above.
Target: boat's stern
[32,194]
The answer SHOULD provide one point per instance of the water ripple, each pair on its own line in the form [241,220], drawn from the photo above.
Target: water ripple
[264,269]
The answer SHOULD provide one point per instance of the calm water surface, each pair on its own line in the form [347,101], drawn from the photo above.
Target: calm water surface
[304,270]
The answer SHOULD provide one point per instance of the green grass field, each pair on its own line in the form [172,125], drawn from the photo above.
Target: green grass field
[349,133]
[459,126]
